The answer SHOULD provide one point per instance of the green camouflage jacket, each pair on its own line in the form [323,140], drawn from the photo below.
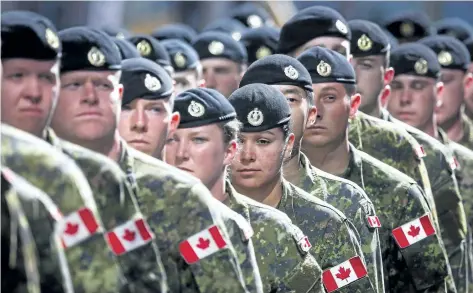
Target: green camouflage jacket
[398,199]
[129,236]
[467,139]
[353,202]
[92,266]
[334,238]
[198,237]
[282,249]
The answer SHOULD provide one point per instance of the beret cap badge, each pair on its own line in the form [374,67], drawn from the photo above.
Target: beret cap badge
[291,72]
[236,36]
[445,58]
[144,48]
[324,69]
[421,66]
[52,38]
[364,43]
[254,21]
[216,48]
[180,60]
[255,117]
[407,29]
[96,57]
[196,109]
[152,83]
[341,26]
[262,52]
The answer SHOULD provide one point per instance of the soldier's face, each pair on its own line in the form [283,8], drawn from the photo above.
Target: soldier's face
[29,93]
[259,160]
[334,108]
[222,75]
[336,44]
[469,93]
[449,107]
[369,80]
[185,80]
[201,151]
[146,124]
[301,111]
[413,100]
[88,106]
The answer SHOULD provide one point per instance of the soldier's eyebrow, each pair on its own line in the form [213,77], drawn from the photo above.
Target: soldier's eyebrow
[290,91]
[268,132]
[328,89]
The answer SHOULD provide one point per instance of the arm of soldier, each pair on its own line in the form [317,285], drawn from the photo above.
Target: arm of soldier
[219,260]
[425,260]
[341,243]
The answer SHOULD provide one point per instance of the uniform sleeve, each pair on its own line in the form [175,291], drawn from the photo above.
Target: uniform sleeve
[425,261]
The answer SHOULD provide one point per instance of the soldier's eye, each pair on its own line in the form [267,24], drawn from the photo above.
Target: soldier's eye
[263,141]
[199,140]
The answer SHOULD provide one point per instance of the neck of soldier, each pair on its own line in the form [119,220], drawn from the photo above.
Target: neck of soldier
[332,158]
[454,127]
[269,194]
[108,146]
[431,127]
[373,110]
[217,188]
[292,166]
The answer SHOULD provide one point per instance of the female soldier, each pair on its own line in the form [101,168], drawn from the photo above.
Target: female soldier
[204,145]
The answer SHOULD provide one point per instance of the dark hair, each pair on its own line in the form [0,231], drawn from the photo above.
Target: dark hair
[309,96]
[230,129]
[350,89]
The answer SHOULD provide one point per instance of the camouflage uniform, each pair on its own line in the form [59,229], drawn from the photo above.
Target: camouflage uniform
[448,201]
[117,206]
[59,177]
[467,139]
[177,207]
[334,238]
[353,202]
[282,253]
[399,200]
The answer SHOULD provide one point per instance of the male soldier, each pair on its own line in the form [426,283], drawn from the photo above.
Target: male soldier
[178,31]
[252,15]
[454,60]
[147,118]
[206,111]
[256,172]
[412,255]
[151,49]
[291,78]
[186,64]
[413,99]
[127,49]
[260,42]
[178,209]
[228,26]
[315,26]
[408,26]
[223,61]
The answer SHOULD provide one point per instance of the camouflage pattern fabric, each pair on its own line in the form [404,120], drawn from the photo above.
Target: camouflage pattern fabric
[117,206]
[334,239]
[398,200]
[353,202]
[282,254]
[177,206]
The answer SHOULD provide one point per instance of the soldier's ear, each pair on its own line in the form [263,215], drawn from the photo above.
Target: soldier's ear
[388,75]
[289,147]
[230,152]
[439,88]
[355,102]
[468,80]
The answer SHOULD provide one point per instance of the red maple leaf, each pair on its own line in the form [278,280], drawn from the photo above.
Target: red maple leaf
[129,235]
[71,228]
[343,273]
[203,243]
[413,231]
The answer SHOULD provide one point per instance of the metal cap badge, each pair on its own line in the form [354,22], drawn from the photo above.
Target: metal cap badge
[216,48]
[144,48]
[255,117]
[196,109]
[96,57]
[324,69]
[421,66]
[180,60]
[291,72]
[407,29]
[364,43]
[52,38]
[341,26]
[445,58]
[254,21]
[152,83]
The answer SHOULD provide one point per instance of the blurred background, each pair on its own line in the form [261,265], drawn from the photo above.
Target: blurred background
[144,16]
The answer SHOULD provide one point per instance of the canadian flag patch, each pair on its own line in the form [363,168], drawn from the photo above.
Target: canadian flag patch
[77,227]
[420,152]
[202,244]
[413,232]
[373,222]
[344,274]
[304,244]
[129,236]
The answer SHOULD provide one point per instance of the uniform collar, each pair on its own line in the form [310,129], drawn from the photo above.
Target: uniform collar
[51,137]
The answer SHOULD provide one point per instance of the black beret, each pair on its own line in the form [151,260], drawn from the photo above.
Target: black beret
[126,48]
[29,35]
[469,45]
[455,27]
[144,79]
[415,59]
[226,25]
[367,39]
[392,40]
[451,53]
[409,24]
[251,15]
[278,69]
[116,32]
[152,49]
[183,56]
[175,31]
[219,45]
[310,23]
[260,42]
[260,107]
[88,49]
[325,65]
[202,106]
